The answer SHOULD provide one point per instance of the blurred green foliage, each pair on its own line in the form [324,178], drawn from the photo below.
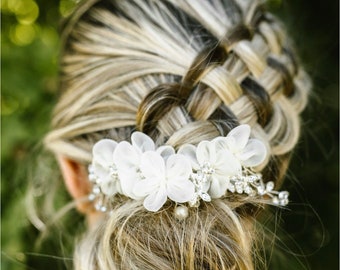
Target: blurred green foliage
[30,45]
[29,50]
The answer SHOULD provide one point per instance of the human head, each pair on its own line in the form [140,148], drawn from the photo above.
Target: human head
[173,69]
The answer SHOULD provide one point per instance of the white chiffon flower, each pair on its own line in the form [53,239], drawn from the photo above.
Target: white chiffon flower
[128,158]
[104,166]
[164,179]
[250,152]
[220,161]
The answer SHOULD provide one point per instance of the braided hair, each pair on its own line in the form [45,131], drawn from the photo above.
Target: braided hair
[180,71]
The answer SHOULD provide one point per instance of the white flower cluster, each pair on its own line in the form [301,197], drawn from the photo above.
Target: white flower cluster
[141,171]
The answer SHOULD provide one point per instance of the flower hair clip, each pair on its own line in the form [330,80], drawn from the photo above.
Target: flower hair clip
[141,171]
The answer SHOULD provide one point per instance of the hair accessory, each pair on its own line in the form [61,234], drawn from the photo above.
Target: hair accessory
[210,170]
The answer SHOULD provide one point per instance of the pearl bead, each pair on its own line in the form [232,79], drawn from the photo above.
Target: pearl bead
[181,212]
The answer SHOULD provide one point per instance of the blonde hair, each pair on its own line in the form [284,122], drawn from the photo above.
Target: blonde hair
[182,72]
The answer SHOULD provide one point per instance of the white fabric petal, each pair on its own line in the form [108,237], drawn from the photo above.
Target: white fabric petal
[253,154]
[127,183]
[166,151]
[221,144]
[146,187]
[238,137]
[152,165]
[178,166]
[127,160]
[156,200]
[206,152]
[227,164]
[103,152]
[205,186]
[126,157]
[100,171]
[218,187]
[180,191]
[189,151]
[142,142]
[109,187]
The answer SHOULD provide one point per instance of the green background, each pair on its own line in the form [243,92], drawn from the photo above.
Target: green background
[30,45]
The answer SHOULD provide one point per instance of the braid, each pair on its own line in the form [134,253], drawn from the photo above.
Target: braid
[192,91]
[164,97]
[259,98]
[182,72]
[244,73]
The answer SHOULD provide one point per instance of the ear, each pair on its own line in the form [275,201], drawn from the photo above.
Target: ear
[76,181]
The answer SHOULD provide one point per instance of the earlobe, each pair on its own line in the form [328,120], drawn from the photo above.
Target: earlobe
[76,181]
